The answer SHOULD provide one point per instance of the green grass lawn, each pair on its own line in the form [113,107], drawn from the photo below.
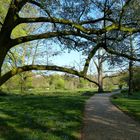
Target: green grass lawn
[42,117]
[130,105]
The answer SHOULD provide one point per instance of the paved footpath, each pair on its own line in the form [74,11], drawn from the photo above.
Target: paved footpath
[104,121]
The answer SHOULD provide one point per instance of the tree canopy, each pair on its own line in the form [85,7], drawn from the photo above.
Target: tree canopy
[85,25]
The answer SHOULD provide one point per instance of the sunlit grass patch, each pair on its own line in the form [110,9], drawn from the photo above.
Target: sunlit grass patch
[130,105]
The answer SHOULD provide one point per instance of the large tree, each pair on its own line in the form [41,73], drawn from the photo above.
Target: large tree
[73,22]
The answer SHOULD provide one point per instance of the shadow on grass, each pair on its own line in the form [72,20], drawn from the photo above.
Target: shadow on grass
[41,117]
[8,132]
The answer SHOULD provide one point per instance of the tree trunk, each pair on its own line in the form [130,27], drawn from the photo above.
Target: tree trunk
[3,52]
[100,89]
[130,81]
[100,81]
[100,72]
[4,48]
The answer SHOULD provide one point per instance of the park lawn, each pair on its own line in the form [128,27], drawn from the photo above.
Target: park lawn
[130,105]
[42,117]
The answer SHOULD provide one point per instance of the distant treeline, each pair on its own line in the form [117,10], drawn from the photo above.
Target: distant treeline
[30,80]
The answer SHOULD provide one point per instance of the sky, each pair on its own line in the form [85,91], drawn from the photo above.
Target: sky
[74,59]
[68,59]
[64,58]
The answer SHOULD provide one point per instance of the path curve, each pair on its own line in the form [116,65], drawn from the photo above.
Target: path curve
[104,121]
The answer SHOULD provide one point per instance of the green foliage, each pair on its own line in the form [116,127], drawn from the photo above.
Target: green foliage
[57,82]
[4,5]
[52,117]
[136,78]
[28,81]
[20,31]
[60,84]
[12,84]
[82,83]
[111,83]
[23,80]
[108,84]
[51,82]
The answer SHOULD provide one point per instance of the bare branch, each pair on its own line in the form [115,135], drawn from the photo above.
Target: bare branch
[97,67]
[111,76]
[96,20]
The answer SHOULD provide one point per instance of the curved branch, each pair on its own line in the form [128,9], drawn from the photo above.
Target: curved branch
[41,36]
[83,31]
[25,68]
[49,35]
[45,19]
[54,20]
[111,51]
[91,54]
[61,21]
[96,20]
[96,65]
[79,26]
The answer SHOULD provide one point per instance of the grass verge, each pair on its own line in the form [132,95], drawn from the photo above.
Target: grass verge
[130,105]
[42,117]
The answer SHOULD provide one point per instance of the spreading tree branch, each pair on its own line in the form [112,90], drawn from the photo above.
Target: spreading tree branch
[111,51]
[96,21]
[41,36]
[49,35]
[114,26]
[25,68]
[97,67]
[123,10]
[90,56]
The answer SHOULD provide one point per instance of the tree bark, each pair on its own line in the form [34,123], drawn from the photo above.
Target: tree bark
[100,81]
[100,72]
[25,68]
[130,81]
[3,52]
[2,57]
[130,69]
